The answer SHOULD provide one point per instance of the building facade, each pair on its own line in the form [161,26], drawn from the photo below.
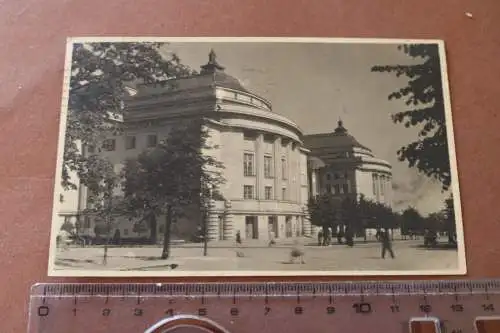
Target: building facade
[265,161]
[340,165]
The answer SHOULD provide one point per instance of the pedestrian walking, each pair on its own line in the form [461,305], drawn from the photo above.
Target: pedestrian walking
[238,238]
[272,241]
[386,244]
[239,253]
[320,237]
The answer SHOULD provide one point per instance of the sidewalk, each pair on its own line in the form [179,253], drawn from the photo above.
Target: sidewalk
[253,243]
[255,256]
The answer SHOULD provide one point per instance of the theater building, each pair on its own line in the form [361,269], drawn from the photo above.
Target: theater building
[340,165]
[265,161]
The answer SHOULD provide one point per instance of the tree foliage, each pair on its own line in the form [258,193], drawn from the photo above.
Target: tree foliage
[450,222]
[323,210]
[172,176]
[413,221]
[423,96]
[100,73]
[351,214]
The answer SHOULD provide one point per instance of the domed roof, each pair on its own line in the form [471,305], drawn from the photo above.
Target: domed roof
[212,75]
[339,140]
[219,77]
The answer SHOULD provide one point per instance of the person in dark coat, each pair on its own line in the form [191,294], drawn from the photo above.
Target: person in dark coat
[386,244]
[238,238]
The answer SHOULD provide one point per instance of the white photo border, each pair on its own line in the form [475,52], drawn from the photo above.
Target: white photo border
[455,187]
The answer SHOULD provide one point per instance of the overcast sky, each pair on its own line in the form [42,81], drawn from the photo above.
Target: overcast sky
[315,84]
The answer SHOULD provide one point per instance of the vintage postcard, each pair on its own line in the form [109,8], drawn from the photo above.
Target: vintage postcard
[256,157]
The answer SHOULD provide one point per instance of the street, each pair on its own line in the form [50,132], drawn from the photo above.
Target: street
[257,256]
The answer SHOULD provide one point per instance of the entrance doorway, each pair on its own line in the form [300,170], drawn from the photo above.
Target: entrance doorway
[251,227]
[272,226]
[288,226]
[298,226]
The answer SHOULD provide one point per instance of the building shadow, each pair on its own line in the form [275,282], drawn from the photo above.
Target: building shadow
[438,247]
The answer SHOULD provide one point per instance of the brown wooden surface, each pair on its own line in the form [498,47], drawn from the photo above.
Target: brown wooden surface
[32,39]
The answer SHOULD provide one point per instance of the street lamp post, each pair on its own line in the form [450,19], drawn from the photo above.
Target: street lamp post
[205,223]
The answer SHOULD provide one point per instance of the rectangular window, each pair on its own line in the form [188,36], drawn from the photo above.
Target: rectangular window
[247,192]
[248,164]
[337,189]
[109,144]
[152,140]
[382,185]
[345,188]
[328,188]
[130,142]
[284,172]
[268,193]
[125,232]
[283,193]
[268,164]
[374,180]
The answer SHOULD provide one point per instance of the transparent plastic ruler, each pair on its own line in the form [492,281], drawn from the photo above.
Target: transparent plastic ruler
[369,307]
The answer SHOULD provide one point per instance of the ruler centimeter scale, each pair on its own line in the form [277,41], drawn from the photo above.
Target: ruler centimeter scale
[452,306]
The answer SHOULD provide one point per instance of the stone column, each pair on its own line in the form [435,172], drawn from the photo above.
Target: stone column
[289,182]
[212,222]
[306,222]
[259,166]
[295,175]
[228,227]
[315,182]
[277,168]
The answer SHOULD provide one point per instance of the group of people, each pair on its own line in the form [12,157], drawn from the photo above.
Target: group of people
[383,236]
[325,237]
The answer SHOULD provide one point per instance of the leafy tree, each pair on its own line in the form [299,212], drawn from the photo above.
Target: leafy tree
[103,203]
[99,75]
[450,222]
[412,221]
[377,215]
[323,211]
[424,97]
[351,219]
[172,176]
[436,221]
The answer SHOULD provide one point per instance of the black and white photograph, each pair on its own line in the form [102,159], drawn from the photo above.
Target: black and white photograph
[256,157]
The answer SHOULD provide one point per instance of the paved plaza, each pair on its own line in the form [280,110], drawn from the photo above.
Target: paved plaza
[255,256]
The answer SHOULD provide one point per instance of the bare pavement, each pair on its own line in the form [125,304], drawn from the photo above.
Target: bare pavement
[257,256]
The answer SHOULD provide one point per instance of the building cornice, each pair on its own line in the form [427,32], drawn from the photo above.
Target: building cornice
[364,169]
[253,95]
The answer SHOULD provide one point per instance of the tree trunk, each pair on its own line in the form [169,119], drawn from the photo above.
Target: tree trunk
[106,244]
[166,236]
[326,235]
[153,229]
